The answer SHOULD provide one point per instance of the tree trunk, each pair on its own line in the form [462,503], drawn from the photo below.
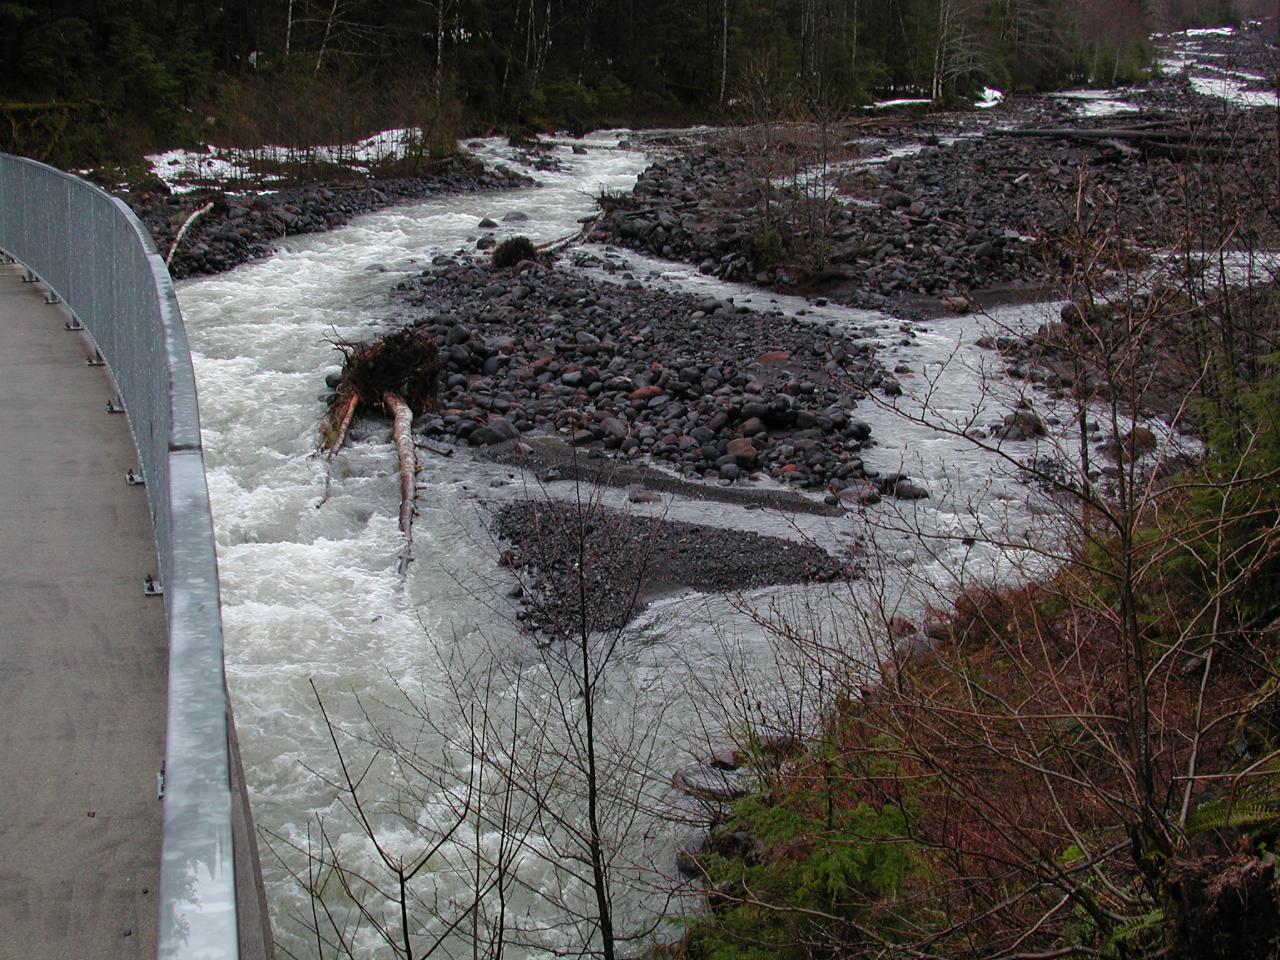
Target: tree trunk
[343,424]
[324,42]
[940,50]
[182,231]
[724,51]
[438,90]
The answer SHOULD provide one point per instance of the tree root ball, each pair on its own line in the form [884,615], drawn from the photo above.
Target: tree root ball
[512,251]
[406,363]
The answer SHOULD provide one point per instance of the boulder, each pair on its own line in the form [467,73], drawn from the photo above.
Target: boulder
[743,451]
[1022,425]
[497,430]
[707,783]
[901,486]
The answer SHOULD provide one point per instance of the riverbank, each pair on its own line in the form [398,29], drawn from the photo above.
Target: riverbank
[241,227]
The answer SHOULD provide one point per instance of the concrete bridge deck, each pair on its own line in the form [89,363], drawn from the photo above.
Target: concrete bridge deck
[82,654]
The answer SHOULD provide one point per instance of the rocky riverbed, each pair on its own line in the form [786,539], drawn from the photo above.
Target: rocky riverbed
[570,377]
[713,390]
[920,216]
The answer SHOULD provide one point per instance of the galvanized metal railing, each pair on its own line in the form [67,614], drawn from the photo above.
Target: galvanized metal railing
[90,249]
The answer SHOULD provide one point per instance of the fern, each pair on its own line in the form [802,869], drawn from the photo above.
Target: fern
[1223,813]
[1129,934]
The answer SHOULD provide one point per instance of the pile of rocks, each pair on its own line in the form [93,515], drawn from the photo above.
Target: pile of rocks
[248,226]
[951,218]
[715,390]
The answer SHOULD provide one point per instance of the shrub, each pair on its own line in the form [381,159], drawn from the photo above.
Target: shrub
[818,880]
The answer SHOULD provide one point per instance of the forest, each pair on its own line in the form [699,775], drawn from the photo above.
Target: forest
[84,82]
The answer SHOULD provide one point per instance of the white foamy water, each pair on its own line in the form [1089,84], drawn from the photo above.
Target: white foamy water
[1097,103]
[311,593]
[1184,51]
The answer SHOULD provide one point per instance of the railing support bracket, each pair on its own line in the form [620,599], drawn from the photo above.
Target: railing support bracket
[135,479]
[73,324]
[95,360]
[151,587]
[115,406]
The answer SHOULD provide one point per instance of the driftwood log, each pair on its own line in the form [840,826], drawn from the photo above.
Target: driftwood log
[402,434]
[182,232]
[1155,137]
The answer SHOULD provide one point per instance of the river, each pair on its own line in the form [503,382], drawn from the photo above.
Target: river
[311,594]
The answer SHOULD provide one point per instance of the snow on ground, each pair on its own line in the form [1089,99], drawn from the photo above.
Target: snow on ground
[902,102]
[178,168]
[1235,91]
[1186,53]
[185,170]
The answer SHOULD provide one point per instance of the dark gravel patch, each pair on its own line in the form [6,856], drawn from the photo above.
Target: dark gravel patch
[598,568]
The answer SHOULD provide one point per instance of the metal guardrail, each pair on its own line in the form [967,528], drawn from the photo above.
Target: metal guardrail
[90,249]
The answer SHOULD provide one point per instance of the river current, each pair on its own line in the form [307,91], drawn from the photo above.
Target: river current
[311,596]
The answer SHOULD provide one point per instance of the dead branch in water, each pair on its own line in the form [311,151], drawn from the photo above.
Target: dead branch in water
[182,231]
[402,434]
[346,410]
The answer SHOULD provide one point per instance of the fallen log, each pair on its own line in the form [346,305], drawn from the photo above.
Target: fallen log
[182,232]
[402,434]
[555,246]
[658,208]
[338,432]
[1115,133]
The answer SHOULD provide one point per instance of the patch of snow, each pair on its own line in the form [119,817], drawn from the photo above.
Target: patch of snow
[178,168]
[186,170]
[1172,66]
[1210,79]
[989,97]
[1234,91]
[903,102]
